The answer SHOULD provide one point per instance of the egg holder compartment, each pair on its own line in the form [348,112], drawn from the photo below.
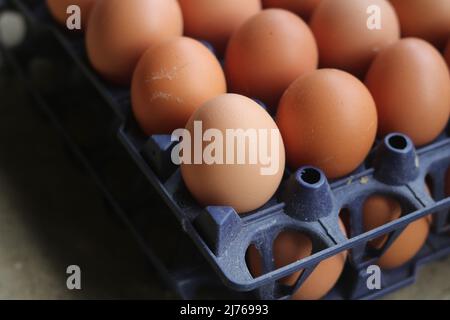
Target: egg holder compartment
[223,236]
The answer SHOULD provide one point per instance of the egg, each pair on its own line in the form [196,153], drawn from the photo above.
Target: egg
[171,81]
[304,8]
[328,120]
[343,35]
[246,161]
[410,83]
[215,21]
[120,32]
[267,53]
[379,210]
[58,9]
[291,246]
[429,20]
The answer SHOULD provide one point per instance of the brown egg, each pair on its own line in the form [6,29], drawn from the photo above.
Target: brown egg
[411,87]
[171,81]
[58,9]
[429,20]
[267,53]
[121,31]
[379,210]
[291,246]
[344,39]
[244,184]
[327,119]
[304,8]
[215,21]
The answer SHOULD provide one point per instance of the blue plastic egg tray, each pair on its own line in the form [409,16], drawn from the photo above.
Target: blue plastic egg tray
[306,201]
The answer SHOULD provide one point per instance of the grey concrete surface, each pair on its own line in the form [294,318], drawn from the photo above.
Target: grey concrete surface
[433,283]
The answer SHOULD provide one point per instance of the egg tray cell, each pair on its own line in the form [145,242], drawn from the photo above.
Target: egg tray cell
[306,201]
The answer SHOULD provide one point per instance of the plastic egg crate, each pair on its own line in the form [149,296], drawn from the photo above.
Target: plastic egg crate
[308,203]
[305,202]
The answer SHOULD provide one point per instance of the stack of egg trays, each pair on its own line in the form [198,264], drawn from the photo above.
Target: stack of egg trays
[306,202]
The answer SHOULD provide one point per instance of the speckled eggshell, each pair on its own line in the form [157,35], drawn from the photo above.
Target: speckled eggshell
[171,81]
[410,83]
[327,119]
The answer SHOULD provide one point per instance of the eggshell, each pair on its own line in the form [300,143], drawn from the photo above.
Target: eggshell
[267,53]
[327,119]
[344,39]
[411,87]
[241,186]
[171,81]
[291,246]
[304,8]
[429,20]
[379,210]
[215,21]
[58,9]
[120,32]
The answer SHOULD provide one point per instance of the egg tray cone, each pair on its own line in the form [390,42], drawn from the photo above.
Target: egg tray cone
[306,201]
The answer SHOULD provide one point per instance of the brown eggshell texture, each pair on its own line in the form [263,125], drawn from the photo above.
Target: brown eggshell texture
[58,9]
[215,21]
[267,53]
[429,20]
[171,81]
[411,87]
[291,246]
[327,119]
[304,8]
[379,210]
[344,39]
[121,31]
[241,186]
